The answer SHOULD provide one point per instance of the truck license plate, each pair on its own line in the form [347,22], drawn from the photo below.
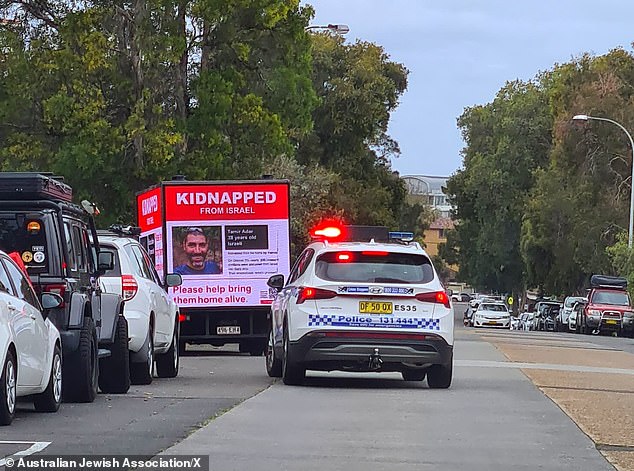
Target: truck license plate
[610,321]
[228,330]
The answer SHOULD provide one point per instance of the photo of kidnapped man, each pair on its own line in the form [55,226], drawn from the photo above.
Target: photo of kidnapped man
[197,250]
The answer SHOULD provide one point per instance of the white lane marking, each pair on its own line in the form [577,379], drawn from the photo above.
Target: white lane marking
[34,448]
[542,366]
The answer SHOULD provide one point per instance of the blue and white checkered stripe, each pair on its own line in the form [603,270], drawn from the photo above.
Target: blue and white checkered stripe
[431,324]
[316,320]
[328,320]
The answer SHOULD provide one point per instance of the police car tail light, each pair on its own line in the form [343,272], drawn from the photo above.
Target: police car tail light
[129,287]
[314,293]
[59,289]
[375,253]
[439,297]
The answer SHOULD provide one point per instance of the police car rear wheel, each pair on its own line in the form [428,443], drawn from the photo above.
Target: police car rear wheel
[439,376]
[414,374]
[292,373]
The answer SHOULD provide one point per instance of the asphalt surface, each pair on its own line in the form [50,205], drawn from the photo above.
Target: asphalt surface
[492,418]
[147,419]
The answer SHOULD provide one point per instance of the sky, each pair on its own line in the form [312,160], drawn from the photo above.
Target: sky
[459,53]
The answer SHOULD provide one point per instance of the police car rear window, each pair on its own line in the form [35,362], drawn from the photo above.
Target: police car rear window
[27,236]
[374,268]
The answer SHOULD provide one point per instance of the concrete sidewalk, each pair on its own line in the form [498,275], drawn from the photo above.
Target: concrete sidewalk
[600,403]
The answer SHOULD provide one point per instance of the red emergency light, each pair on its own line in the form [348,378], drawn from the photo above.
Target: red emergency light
[330,230]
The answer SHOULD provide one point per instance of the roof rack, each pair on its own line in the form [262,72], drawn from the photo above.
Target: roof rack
[605,281]
[121,231]
[34,186]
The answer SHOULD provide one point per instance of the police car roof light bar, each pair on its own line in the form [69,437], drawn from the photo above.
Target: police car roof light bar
[402,236]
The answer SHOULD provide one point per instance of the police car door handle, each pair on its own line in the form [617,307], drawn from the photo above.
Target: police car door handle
[11,307]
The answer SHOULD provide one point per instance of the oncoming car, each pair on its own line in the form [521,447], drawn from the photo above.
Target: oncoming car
[361,306]
[492,314]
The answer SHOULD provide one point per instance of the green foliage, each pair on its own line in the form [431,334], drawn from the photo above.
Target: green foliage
[506,141]
[117,96]
[622,259]
[540,196]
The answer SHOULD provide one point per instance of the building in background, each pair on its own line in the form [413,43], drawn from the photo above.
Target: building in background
[430,190]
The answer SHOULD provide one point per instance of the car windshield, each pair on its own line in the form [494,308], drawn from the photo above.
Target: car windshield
[19,233]
[493,307]
[376,267]
[616,298]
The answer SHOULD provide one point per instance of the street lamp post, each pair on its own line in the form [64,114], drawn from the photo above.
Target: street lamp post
[585,117]
[333,28]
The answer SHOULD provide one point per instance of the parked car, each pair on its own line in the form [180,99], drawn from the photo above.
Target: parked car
[492,314]
[609,308]
[561,320]
[461,298]
[52,236]
[515,323]
[545,316]
[152,316]
[574,323]
[30,345]
[526,321]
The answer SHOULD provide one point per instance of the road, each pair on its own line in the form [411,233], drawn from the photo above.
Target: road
[497,414]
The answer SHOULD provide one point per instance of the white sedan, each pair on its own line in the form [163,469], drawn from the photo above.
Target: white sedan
[30,346]
[492,315]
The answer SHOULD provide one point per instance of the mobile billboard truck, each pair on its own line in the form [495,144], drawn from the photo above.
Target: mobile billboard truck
[225,239]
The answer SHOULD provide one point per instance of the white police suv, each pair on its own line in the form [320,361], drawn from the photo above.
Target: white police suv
[361,306]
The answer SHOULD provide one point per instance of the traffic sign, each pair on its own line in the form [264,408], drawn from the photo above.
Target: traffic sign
[510,300]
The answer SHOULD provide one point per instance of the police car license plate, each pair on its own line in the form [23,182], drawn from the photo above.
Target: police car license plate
[374,307]
[610,321]
[228,329]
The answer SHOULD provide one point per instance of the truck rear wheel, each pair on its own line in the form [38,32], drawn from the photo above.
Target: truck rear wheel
[80,372]
[114,371]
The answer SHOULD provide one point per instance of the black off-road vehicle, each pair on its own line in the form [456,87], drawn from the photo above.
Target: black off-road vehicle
[52,236]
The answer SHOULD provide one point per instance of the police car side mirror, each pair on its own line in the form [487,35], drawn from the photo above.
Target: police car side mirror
[173,279]
[105,261]
[276,281]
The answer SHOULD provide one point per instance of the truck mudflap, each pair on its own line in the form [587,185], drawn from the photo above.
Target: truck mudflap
[78,304]
[110,307]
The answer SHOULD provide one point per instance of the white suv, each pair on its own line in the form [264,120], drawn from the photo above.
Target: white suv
[362,306]
[153,317]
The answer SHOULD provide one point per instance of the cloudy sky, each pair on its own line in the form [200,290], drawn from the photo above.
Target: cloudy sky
[460,53]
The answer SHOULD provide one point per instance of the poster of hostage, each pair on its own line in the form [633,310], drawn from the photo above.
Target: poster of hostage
[226,242]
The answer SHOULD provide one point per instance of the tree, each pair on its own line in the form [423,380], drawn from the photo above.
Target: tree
[506,141]
[358,87]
